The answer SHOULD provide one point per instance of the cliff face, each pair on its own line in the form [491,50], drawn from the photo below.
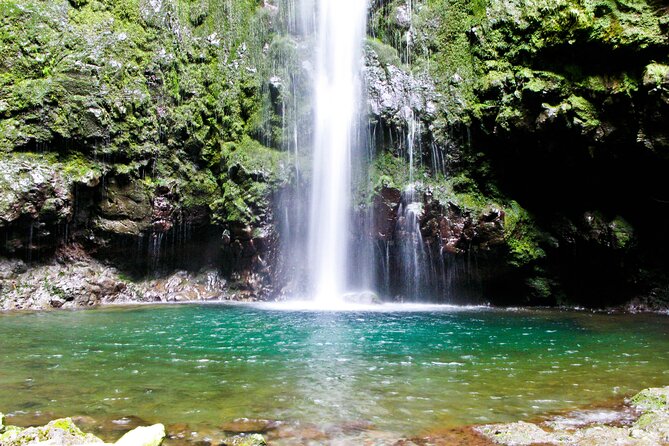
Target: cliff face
[126,128]
[150,134]
[552,114]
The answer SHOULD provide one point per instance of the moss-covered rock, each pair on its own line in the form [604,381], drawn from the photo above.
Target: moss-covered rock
[62,432]
[143,113]
[652,399]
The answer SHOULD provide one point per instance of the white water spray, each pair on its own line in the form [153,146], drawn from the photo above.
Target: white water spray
[340,29]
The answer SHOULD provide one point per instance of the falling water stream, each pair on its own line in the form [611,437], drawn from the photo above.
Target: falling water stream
[340,29]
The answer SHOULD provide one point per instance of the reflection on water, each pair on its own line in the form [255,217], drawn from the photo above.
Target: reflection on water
[401,369]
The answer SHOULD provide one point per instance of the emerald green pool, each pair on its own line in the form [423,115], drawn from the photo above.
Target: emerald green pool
[406,369]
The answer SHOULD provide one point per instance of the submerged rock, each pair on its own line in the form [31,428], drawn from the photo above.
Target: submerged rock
[248,425]
[362,298]
[245,440]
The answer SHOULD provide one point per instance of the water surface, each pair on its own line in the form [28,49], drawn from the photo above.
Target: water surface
[407,371]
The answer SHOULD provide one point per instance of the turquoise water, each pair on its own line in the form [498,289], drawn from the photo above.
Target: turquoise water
[407,371]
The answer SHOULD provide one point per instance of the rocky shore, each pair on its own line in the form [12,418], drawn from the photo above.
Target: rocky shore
[73,279]
[642,420]
[64,432]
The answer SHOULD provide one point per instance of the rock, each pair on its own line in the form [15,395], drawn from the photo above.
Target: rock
[653,425]
[362,298]
[516,434]
[62,432]
[650,429]
[126,209]
[653,399]
[604,435]
[386,205]
[396,96]
[143,436]
[245,440]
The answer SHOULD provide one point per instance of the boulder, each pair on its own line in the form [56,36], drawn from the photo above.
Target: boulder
[61,432]
[653,399]
[143,436]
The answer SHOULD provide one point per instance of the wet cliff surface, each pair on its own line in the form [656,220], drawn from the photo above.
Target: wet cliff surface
[518,150]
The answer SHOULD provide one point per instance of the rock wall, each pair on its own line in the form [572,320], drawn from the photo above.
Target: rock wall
[549,115]
[130,129]
[158,138]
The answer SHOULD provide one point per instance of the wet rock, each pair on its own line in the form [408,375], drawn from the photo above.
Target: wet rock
[74,279]
[386,205]
[32,188]
[184,286]
[178,431]
[446,225]
[362,298]
[396,96]
[143,436]
[126,209]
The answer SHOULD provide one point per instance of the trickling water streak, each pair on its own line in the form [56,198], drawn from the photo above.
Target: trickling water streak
[340,29]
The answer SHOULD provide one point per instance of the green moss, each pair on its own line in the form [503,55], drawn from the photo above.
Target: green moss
[77,168]
[200,189]
[521,235]
[623,232]
[651,399]
[656,75]
[232,208]
[254,158]
[585,114]
[387,54]
[388,170]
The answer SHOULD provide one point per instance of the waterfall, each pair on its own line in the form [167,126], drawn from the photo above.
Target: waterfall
[340,29]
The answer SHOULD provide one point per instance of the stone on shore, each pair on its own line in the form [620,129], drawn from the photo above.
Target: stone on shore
[62,432]
[245,440]
[143,436]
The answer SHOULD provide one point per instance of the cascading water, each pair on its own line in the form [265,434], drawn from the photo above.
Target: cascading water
[340,29]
